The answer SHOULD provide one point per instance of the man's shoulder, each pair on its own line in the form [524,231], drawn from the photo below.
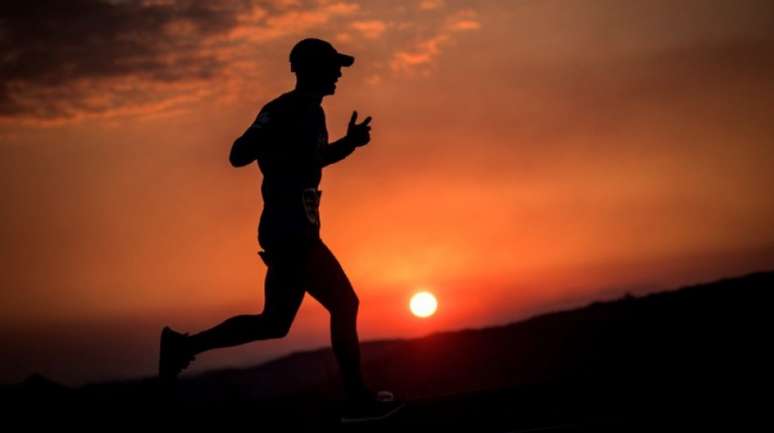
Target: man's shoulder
[275,113]
[282,104]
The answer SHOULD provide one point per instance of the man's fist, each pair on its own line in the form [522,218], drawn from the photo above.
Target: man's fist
[359,134]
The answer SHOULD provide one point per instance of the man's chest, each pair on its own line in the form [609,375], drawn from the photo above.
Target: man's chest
[308,130]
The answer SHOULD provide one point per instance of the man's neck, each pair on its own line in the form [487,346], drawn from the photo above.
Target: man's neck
[311,96]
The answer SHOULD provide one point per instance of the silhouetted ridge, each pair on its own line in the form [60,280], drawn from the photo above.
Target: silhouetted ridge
[696,347]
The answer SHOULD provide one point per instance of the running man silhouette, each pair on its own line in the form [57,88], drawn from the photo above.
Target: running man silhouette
[289,140]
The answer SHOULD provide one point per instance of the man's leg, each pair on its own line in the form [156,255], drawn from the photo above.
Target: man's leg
[283,295]
[284,292]
[329,285]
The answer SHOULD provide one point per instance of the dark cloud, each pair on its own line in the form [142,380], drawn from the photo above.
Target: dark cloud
[47,46]
[66,60]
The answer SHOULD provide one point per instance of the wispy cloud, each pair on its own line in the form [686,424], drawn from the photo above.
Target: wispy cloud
[427,5]
[371,29]
[63,61]
[425,50]
[260,26]
[422,53]
[54,55]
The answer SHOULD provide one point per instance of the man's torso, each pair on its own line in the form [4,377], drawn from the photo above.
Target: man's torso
[290,162]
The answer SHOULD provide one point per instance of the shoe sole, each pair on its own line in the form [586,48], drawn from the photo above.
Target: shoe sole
[353,420]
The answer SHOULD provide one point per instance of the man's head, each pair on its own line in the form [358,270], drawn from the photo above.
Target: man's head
[317,65]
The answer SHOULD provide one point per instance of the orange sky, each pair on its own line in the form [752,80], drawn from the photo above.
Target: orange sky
[525,156]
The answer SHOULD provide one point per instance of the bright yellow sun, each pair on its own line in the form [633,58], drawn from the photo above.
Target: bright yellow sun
[423,304]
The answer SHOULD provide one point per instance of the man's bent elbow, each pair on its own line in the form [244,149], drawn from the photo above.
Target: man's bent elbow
[239,158]
[236,162]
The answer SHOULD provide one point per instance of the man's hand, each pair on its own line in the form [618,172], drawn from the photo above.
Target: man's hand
[359,134]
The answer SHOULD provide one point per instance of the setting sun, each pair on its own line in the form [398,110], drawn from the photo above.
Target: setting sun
[423,304]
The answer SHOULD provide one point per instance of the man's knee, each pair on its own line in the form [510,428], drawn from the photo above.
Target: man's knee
[348,305]
[278,328]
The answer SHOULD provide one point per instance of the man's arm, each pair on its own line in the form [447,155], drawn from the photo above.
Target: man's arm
[336,151]
[245,148]
[357,135]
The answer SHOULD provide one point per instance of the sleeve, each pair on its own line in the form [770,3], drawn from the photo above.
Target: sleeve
[254,141]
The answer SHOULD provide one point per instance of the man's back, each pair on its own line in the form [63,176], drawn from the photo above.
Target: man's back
[288,150]
[291,133]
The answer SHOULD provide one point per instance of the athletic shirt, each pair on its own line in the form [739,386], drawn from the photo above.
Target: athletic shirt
[292,133]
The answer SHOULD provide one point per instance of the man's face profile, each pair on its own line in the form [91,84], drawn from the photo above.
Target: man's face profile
[320,78]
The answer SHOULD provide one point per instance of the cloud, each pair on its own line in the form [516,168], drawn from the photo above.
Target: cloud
[427,5]
[65,60]
[424,51]
[260,26]
[463,25]
[102,58]
[371,29]
[462,20]
[53,52]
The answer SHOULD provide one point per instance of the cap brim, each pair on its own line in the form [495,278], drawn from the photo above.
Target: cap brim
[345,60]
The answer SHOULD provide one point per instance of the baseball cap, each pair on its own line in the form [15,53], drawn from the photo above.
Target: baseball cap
[312,51]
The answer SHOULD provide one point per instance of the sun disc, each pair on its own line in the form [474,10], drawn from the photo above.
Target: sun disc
[423,304]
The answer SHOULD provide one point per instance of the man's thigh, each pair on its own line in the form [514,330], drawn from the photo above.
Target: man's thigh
[326,280]
[284,285]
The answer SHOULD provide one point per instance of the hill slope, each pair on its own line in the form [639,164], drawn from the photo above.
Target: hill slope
[679,352]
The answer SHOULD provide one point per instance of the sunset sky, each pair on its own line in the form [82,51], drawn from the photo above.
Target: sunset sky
[526,156]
